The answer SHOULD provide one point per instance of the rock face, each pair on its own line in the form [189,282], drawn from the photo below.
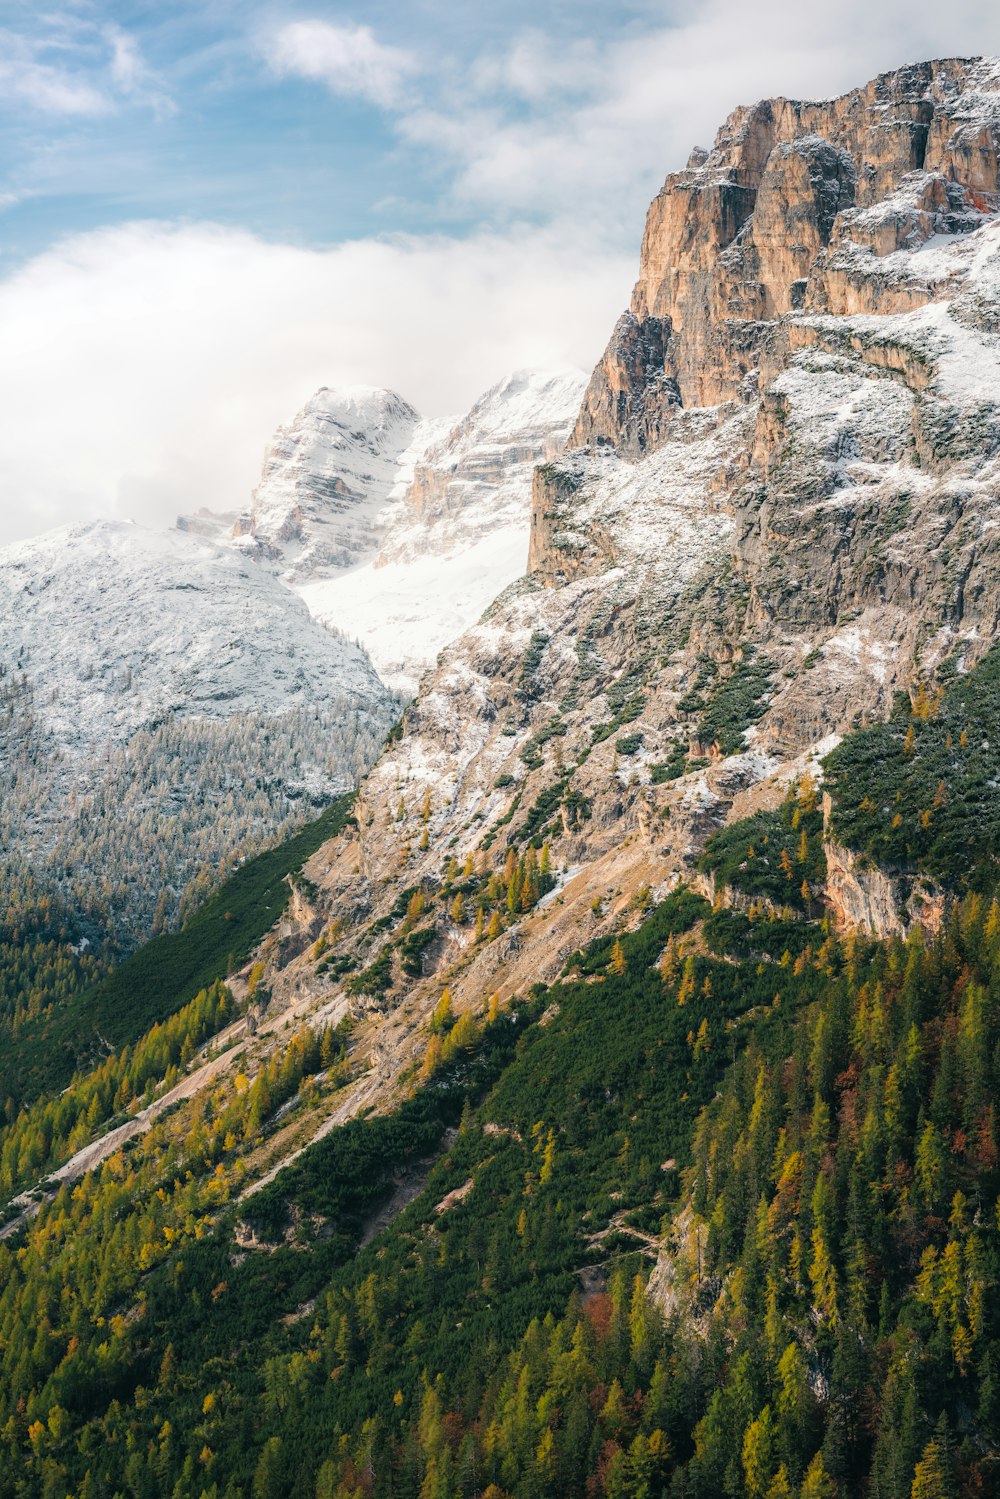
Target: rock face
[325,479]
[791,212]
[471,477]
[405,549]
[780,509]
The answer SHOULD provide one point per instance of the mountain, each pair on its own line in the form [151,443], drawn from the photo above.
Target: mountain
[396,530]
[168,706]
[179,668]
[324,481]
[611,1109]
[456,530]
[716,590]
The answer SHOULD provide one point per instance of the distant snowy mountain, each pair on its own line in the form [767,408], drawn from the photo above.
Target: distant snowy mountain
[455,532]
[325,479]
[196,691]
[401,531]
[158,683]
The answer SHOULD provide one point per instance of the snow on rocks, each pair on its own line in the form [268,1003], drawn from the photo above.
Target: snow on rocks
[116,626]
[400,530]
[454,532]
[325,479]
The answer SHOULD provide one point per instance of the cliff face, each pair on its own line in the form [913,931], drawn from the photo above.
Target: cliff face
[471,477]
[831,272]
[780,510]
[786,214]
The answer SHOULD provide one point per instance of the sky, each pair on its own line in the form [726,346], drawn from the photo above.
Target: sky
[209,209]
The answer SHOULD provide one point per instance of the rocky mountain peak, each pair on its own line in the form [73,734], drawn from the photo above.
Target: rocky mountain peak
[400,529]
[793,212]
[325,478]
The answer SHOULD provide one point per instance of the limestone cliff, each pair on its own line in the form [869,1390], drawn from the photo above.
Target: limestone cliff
[790,212]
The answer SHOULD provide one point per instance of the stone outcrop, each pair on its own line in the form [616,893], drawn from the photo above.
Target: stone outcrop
[779,218]
[862,899]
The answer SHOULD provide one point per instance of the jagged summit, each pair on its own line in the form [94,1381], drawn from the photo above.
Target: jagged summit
[400,529]
[325,478]
[800,208]
[455,532]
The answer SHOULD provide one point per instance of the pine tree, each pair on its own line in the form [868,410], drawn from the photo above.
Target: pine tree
[931,1479]
[759,1454]
[442,1016]
[617,961]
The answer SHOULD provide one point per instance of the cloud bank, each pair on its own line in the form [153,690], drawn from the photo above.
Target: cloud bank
[143,369]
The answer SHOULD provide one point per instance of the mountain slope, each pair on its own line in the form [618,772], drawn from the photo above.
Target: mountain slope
[164,695]
[772,570]
[700,1219]
[611,1110]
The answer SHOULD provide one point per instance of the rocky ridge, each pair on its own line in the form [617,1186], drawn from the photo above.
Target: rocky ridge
[778,522]
[799,207]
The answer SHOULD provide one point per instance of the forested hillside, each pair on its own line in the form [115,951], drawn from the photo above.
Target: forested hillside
[718,1213]
[603,1106]
[70,1020]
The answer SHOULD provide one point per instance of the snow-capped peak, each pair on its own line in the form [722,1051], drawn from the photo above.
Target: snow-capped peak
[325,477]
[455,530]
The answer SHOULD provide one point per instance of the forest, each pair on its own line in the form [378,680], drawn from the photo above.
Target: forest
[127,847]
[715,1214]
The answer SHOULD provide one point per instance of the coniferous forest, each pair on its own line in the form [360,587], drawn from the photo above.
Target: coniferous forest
[715,1214]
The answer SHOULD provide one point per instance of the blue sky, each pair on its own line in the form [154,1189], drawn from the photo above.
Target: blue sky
[209,209]
[123,111]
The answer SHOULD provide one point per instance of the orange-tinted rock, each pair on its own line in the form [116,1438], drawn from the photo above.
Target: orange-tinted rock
[778,218]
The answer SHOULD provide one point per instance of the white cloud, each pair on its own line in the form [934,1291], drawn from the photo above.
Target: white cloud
[40,86]
[143,369]
[131,75]
[348,59]
[74,69]
[604,125]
